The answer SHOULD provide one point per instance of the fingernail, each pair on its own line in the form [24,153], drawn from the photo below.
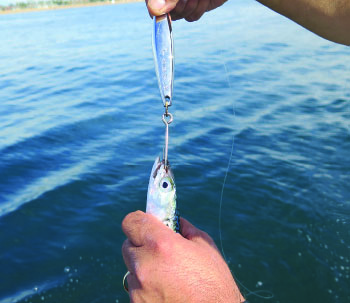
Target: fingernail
[157,4]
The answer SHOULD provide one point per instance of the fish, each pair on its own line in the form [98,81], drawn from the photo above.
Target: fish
[163,54]
[161,195]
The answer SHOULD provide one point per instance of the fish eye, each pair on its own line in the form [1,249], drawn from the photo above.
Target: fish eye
[165,184]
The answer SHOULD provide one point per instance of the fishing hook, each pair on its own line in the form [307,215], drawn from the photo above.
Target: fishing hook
[167,119]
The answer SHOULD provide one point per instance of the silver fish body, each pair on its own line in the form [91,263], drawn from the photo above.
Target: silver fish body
[161,195]
[163,53]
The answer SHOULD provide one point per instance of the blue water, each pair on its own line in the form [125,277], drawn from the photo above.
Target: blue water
[80,127]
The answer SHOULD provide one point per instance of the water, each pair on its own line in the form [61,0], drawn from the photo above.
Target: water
[81,125]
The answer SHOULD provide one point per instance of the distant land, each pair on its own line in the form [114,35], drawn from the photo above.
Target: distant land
[29,6]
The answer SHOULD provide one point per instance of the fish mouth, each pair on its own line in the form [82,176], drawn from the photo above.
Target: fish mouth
[157,166]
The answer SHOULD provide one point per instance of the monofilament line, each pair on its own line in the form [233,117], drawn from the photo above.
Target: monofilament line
[258,293]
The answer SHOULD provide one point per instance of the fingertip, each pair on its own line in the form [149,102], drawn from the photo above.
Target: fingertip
[155,7]
[160,7]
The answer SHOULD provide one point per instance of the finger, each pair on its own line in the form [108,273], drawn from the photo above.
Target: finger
[200,10]
[215,3]
[144,229]
[129,252]
[177,12]
[194,234]
[132,227]
[133,283]
[135,259]
[190,7]
[160,7]
[188,230]
[148,9]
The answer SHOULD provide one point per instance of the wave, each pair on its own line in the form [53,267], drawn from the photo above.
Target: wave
[27,293]
[50,182]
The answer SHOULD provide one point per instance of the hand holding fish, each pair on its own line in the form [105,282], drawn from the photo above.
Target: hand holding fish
[167,267]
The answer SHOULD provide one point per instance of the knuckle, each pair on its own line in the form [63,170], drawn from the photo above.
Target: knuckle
[196,16]
[162,247]
[192,18]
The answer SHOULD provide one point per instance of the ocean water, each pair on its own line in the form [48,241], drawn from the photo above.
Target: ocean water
[257,99]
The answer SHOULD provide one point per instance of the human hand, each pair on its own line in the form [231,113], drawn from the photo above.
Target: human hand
[167,267]
[190,10]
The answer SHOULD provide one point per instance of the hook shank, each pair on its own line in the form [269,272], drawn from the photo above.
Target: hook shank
[166,122]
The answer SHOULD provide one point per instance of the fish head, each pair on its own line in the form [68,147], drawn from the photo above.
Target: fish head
[161,195]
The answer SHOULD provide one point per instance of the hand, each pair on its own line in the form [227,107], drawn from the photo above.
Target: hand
[190,10]
[167,267]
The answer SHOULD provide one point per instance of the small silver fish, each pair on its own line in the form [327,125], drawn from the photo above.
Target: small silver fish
[163,53]
[161,195]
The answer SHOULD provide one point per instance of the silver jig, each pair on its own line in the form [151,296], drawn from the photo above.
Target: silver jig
[163,53]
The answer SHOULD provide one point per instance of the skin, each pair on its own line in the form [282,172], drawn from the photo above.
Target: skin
[329,19]
[169,267]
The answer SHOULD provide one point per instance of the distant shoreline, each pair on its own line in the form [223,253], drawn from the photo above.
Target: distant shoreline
[56,7]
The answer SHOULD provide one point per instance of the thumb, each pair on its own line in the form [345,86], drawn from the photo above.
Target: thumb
[160,7]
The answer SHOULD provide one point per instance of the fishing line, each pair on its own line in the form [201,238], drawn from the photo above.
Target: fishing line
[227,169]
[262,294]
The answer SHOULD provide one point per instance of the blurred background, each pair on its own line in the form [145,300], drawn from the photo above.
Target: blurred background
[257,99]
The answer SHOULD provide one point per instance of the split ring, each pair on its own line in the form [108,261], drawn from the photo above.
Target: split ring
[169,120]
